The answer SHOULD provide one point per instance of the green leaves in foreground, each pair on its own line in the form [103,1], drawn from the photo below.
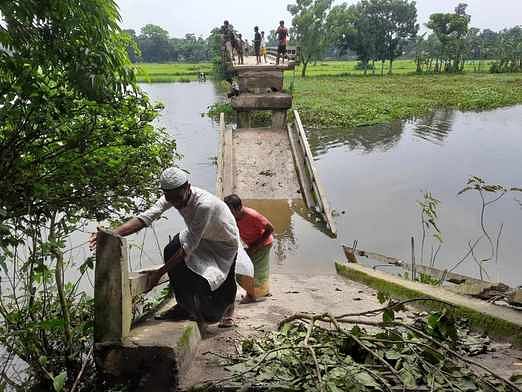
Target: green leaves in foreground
[59,382]
[321,356]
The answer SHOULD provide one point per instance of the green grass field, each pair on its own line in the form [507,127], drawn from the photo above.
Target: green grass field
[349,68]
[175,72]
[348,101]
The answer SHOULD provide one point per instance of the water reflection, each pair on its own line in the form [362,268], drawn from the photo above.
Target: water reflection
[377,175]
[433,128]
[367,139]
[282,215]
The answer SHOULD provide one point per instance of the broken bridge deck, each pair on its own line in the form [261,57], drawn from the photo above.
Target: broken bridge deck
[261,165]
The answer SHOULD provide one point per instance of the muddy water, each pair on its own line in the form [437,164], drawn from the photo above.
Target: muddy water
[377,174]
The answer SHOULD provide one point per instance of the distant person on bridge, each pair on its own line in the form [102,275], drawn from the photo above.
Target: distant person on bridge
[240,49]
[257,44]
[263,45]
[246,48]
[256,232]
[227,34]
[282,36]
[200,260]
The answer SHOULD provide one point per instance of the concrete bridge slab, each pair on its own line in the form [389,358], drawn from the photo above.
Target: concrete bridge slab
[263,166]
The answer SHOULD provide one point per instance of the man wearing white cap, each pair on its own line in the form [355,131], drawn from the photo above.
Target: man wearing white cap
[200,260]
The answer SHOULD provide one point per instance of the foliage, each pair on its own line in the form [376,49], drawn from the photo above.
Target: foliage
[335,99]
[376,30]
[428,206]
[315,353]
[76,143]
[155,46]
[350,29]
[217,108]
[451,30]
[507,49]
[309,28]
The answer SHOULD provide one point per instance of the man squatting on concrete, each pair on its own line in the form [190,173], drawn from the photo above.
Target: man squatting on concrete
[256,232]
[200,260]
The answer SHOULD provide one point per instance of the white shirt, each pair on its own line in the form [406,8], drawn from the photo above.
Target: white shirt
[211,239]
[263,42]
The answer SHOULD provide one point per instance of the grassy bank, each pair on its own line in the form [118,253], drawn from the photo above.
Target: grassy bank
[348,101]
[175,72]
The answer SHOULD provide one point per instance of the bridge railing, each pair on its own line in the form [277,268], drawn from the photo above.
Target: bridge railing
[115,287]
[292,52]
[313,192]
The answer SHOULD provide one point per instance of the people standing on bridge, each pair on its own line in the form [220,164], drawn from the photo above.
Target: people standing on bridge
[282,36]
[227,34]
[239,48]
[256,232]
[257,44]
[263,45]
[200,260]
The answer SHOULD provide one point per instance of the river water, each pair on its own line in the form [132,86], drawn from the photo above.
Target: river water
[373,178]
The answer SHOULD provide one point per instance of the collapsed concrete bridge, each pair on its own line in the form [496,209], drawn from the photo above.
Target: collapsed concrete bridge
[274,162]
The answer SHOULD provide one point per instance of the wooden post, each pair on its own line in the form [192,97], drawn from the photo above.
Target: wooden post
[228,167]
[220,157]
[112,298]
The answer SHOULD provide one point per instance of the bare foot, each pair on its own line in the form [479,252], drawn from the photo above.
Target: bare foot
[247,299]
[226,322]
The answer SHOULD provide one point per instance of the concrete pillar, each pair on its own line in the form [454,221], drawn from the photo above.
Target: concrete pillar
[112,298]
[279,119]
[243,119]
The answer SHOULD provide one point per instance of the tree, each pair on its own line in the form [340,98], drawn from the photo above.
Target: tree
[349,28]
[508,51]
[374,29]
[392,23]
[403,27]
[309,28]
[451,30]
[154,44]
[132,49]
[76,143]
[473,46]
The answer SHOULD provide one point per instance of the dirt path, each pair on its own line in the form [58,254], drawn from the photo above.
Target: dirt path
[301,293]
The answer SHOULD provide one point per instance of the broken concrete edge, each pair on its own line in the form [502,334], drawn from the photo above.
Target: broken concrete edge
[494,326]
[289,66]
[188,345]
[135,363]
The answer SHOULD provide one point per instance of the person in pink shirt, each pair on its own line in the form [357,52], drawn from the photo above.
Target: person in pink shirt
[255,231]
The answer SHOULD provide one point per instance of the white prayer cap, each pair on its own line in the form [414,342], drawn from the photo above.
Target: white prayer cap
[173,178]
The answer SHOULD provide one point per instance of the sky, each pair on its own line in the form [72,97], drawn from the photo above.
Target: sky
[200,16]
